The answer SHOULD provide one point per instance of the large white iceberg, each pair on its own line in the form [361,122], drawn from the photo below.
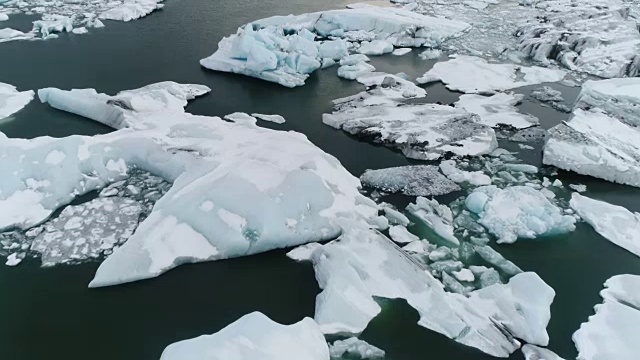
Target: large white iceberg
[254,336]
[614,223]
[285,49]
[363,264]
[12,100]
[237,189]
[612,333]
[600,139]
[517,212]
[420,131]
[470,74]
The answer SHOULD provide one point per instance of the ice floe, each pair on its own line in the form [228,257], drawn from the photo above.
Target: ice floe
[254,336]
[532,352]
[354,347]
[517,212]
[600,139]
[476,178]
[286,49]
[436,216]
[363,264]
[415,180]
[279,189]
[272,118]
[551,97]
[614,223]
[420,131]
[12,100]
[612,333]
[499,109]
[470,74]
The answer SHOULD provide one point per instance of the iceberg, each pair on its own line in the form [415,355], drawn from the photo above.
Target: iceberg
[470,74]
[293,46]
[496,110]
[12,100]
[596,37]
[401,51]
[414,180]
[551,97]
[532,352]
[517,212]
[363,264]
[614,223]
[612,333]
[9,34]
[600,138]
[279,189]
[254,336]
[52,24]
[129,10]
[354,347]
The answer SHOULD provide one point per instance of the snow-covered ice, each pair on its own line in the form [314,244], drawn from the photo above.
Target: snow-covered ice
[613,222]
[499,109]
[284,49]
[254,336]
[517,212]
[12,100]
[436,216]
[600,139]
[400,234]
[279,189]
[470,74]
[363,264]
[401,51]
[354,347]
[612,333]
[412,180]
[532,352]
[476,178]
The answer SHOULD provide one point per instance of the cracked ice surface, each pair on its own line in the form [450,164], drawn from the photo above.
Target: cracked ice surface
[285,49]
[420,131]
[279,189]
[12,100]
[612,333]
[254,336]
[62,16]
[600,139]
[614,223]
[363,264]
[470,74]
[417,180]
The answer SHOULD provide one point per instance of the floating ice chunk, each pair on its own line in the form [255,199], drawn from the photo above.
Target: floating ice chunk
[354,59]
[488,254]
[430,54]
[464,275]
[254,336]
[272,118]
[614,223]
[14,259]
[549,96]
[421,131]
[475,75]
[52,24]
[476,178]
[241,118]
[299,189]
[415,180]
[525,168]
[395,217]
[291,39]
[600,139]
[498,109]
[351,72]
[9,34]
[80,30]
[400,234]
[4,17]
[375,47]
[612,333]
[518,212]
[437,217]
[354,347]
[401,51]
[12,100]
[578,187]
[363,264]
[529,135]
[129,10]
[532,352]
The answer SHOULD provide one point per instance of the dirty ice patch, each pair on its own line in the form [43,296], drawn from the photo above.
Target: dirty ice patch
[416,180]
[469,74]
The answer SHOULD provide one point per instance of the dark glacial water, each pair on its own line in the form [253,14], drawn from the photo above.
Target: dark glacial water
[50,314]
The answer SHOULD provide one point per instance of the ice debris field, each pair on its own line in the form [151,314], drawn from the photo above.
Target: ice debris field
[167,187]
